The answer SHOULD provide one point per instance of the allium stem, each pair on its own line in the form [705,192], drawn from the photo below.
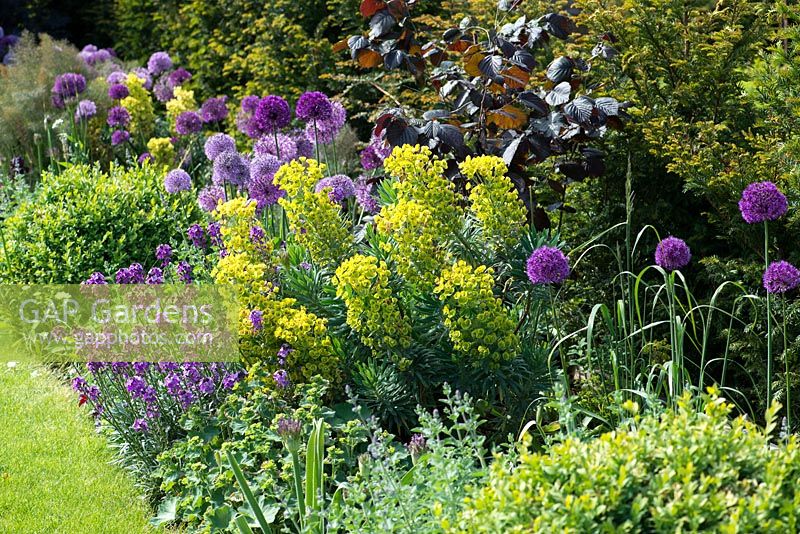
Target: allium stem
[277,147]
[786,370]
[298,486]
[769,319]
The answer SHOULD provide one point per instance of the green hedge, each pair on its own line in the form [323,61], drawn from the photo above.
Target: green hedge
[85,219]
[681,472]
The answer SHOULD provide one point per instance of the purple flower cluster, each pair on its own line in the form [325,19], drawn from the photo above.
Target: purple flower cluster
[158,63]
[762,201]
[85,110]
[185,272]
[262,187]
[188,122]
[547,265]
[257,320]
[177,180]
[285,149]
[231,168]
[178,77]
[119,137]
[67,86]
[314,107]
[91,55]
[130,275]
[373,155]
[781,277]
[164,253]
[118,91]
[363,193]
[214,110]
[97,278]
[672,254]
[327,130]
[339,188]
[217,144]
[209,197]
[118,116]
[197,236]
[271,114]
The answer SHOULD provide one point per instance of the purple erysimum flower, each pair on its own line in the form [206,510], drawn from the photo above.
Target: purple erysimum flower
[177,180]
[178,77]
[209,198]
[257,319]
[93,392]
[206,386]
[217,144]
[140,425]
[135,386]
[119,136]
[130,275]
[159,62]
[284,353]
[119,367]
[155,276]
[85,110]
[95,367]
[214,109]
[164,253]
[197,236]
[286,148]
[230,380]
[97,278]
[188,122]
[118,91]
[230,167]
[68,85]
[256,234]
[78,383]
[339,187]
[185,272]
[313,106]
[172,383]
[118,116]
[328,129]
[673,253]
[141,368]
[781,277]
[547,265]
[305,265]
[281,378]
[762,201]
[271,114]
[214,231]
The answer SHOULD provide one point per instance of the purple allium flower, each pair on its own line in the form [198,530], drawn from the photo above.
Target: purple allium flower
[364,196]
[214,109]
[327,130]
[272,114]
[281,378]
[197,236]
[230,167]
[115,77]
[781,277]
[119,136]
[142,74]
[305,147]
[97,278]
[140,425]
[178,77]
[257,320]
[164,253]
[339,187]
[289,428]
[68,85]
[230,380]
[209,198]
[673,253]
[245,119]
[118,91]
[206,386]
[130,275]
[263,190]
[91,55]
[264,166]
[547,265]
[250,104]
[163,90]
[762,201]
[118,116]
[159,62]
[144,157]
[177,180]
[78,383]
[185,272]
[374,154]
[57,101]
[313,106]
[155,276]
[86,110]
[217,144]
[286,149]
[188,122]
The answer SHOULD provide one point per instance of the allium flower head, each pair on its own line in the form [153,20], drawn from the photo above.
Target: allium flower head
[673,253]
[69,84]
[250,104]
[230,167]
[214,109]
[271,114]
[188,122]
[781,277]
[145,157]
[163,90]
[159,62]
[118,91]
[364,196]
[177,180]
[178,77]
[86,110]
[372,157]
[339,187]
[119,136]
[118,116]
[209,197]
[762,201]
[305,147]
[547,265]
[286,149]
[327,130]
[217,144]
[115,77]
[263,190]
[142,74]
[314,106]
[289,428]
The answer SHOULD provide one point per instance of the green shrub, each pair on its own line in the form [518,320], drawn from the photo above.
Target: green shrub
[86,219]
[682,472]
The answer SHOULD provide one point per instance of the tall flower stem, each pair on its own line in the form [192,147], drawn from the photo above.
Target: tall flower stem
[277,148]
[786,370]
[769,319]
[557,325]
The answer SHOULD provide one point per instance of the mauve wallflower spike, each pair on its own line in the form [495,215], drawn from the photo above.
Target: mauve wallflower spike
[672,254]
[547,265]
[762,201]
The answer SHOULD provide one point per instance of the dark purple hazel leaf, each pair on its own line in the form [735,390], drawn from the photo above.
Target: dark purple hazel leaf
[608,105]
[433,114]
[532,101]
[451,136]
[399,133]
[557,25]
[559,94]
[524,59]
[540,219]
[394,59]
[580,110]
[572,169]
[380,24]
[560,69]
[490,66]
[451,35]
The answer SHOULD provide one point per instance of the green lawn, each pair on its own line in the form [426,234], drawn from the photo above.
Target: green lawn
[55,474]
